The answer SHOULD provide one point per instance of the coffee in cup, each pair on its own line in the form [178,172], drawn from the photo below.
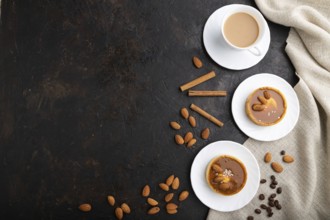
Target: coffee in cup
[243,28]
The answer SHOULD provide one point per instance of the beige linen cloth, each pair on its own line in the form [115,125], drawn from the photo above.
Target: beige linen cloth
[306,182]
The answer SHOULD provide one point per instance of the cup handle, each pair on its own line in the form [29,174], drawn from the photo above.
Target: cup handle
[255,51]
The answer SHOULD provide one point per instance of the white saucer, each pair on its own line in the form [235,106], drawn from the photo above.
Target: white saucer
[265,133]
[215,200]
[221,53]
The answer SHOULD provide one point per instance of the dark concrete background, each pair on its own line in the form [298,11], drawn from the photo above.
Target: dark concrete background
[87,91]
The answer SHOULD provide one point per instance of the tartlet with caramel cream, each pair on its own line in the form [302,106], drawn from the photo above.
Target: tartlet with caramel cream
[266,106]
[226,175]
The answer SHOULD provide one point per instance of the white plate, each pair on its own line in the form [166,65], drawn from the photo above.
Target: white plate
[215,200]
[221,53]
[265,133]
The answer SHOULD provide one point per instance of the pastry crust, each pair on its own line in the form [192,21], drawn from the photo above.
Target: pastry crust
[249,110]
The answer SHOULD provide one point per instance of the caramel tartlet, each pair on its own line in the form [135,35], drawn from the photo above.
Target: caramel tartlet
[266,106]
[226,175]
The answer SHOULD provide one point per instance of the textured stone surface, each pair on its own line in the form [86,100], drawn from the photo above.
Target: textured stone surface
[87,91]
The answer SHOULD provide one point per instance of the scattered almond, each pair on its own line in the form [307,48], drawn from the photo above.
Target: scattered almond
[184,113]
[171,211]
[175,125]
[119,213]
[197,62]
[179,139]
[85,207]
[267,95]
[169,197]
[277,167]
[176,183]
[164,187]
[192,121]
[171,206]
[258,107]
[205,133]
[183,195]
[146,191]
[262,99]
[288,159]
[111,200]
[126,209]
[169,180]
[188,137]
[268,157]
[192,142]
[152,202]
[153,210]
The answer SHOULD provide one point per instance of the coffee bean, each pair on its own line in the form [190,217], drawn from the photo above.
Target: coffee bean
[279,206]
[274,182]
[272,186]
[282,152]
[273,195]
[271,204]
[272,177]
[279,190]
[261,196]
[276,202]
[269,209]
[270,214]
[263,181]
[258,211]
[250,218]
[263,206]
[271,199]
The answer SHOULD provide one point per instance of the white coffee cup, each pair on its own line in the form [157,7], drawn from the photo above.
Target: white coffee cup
[246,11]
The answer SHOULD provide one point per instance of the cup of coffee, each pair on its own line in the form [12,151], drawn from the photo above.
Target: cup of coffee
[243,27]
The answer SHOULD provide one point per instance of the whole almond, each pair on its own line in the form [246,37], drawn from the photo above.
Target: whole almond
[192,121]
[169,197]
[267,157]
[126,209]
[192,142]
[85,207]
[267,95]
[119,213]
[169,180]
[146,191]
[277,167]
[176,183]
[171,206]
[217,168]
[262,99]
[188,137]
[152,202]
[184,113]
[171,211]
[205,133]
[111,200]
[175,125]
[153,210]
[197,62]
[183,195]
[288,159]
[258,107]
[164,187]
[224,186]
[179,139]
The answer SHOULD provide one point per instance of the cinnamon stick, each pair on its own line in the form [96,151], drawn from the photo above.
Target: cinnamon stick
[197,81]
[207,93]
[206,115]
